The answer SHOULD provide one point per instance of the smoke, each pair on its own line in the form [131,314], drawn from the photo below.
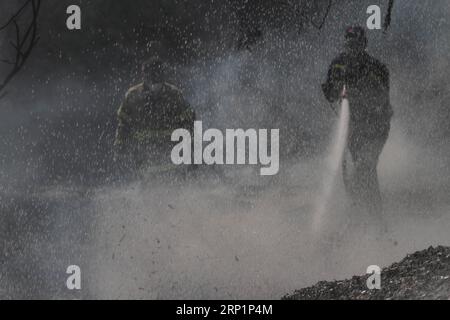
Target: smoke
[240,235]
[192,241]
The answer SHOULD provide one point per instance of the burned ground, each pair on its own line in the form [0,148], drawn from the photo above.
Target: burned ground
[424,275]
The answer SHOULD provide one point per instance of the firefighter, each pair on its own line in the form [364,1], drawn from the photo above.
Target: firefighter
[365,82]
[147,117]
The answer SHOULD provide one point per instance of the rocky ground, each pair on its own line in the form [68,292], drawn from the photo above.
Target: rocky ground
[422,275]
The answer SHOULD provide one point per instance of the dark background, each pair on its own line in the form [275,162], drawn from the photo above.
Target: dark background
[57,122]
[59,114]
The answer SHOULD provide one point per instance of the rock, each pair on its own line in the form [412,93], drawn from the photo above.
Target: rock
[424,275]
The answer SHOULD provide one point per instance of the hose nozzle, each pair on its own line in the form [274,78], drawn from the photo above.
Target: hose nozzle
[344,92]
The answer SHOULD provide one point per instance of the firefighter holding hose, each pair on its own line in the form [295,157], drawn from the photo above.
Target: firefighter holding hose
[365,83]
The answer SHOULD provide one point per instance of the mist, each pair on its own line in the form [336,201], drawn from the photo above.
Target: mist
[229,235]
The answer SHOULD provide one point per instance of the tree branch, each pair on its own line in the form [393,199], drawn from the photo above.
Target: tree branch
[325,16]
[302,11]
[24,42]
[388,19]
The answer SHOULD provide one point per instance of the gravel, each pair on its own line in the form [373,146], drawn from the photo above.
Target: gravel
[424,275]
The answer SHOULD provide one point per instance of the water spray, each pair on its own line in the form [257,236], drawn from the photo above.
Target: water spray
[333,164]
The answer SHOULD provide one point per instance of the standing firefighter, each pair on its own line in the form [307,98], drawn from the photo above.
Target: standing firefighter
[147,117]
[366,83]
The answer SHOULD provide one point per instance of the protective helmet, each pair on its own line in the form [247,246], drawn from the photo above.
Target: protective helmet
[154,69]
[152,62]
[156,57]
[355,39]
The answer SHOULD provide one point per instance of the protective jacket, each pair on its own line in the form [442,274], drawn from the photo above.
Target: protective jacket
[146,120]
[367,83]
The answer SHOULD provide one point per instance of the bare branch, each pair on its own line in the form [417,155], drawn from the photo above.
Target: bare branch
[388,19]
[325,16]
[7,61]
[15,16]
[304,13]
[24,42]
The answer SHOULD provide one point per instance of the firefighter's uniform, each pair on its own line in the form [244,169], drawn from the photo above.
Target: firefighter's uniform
[367,85]
[146,120]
